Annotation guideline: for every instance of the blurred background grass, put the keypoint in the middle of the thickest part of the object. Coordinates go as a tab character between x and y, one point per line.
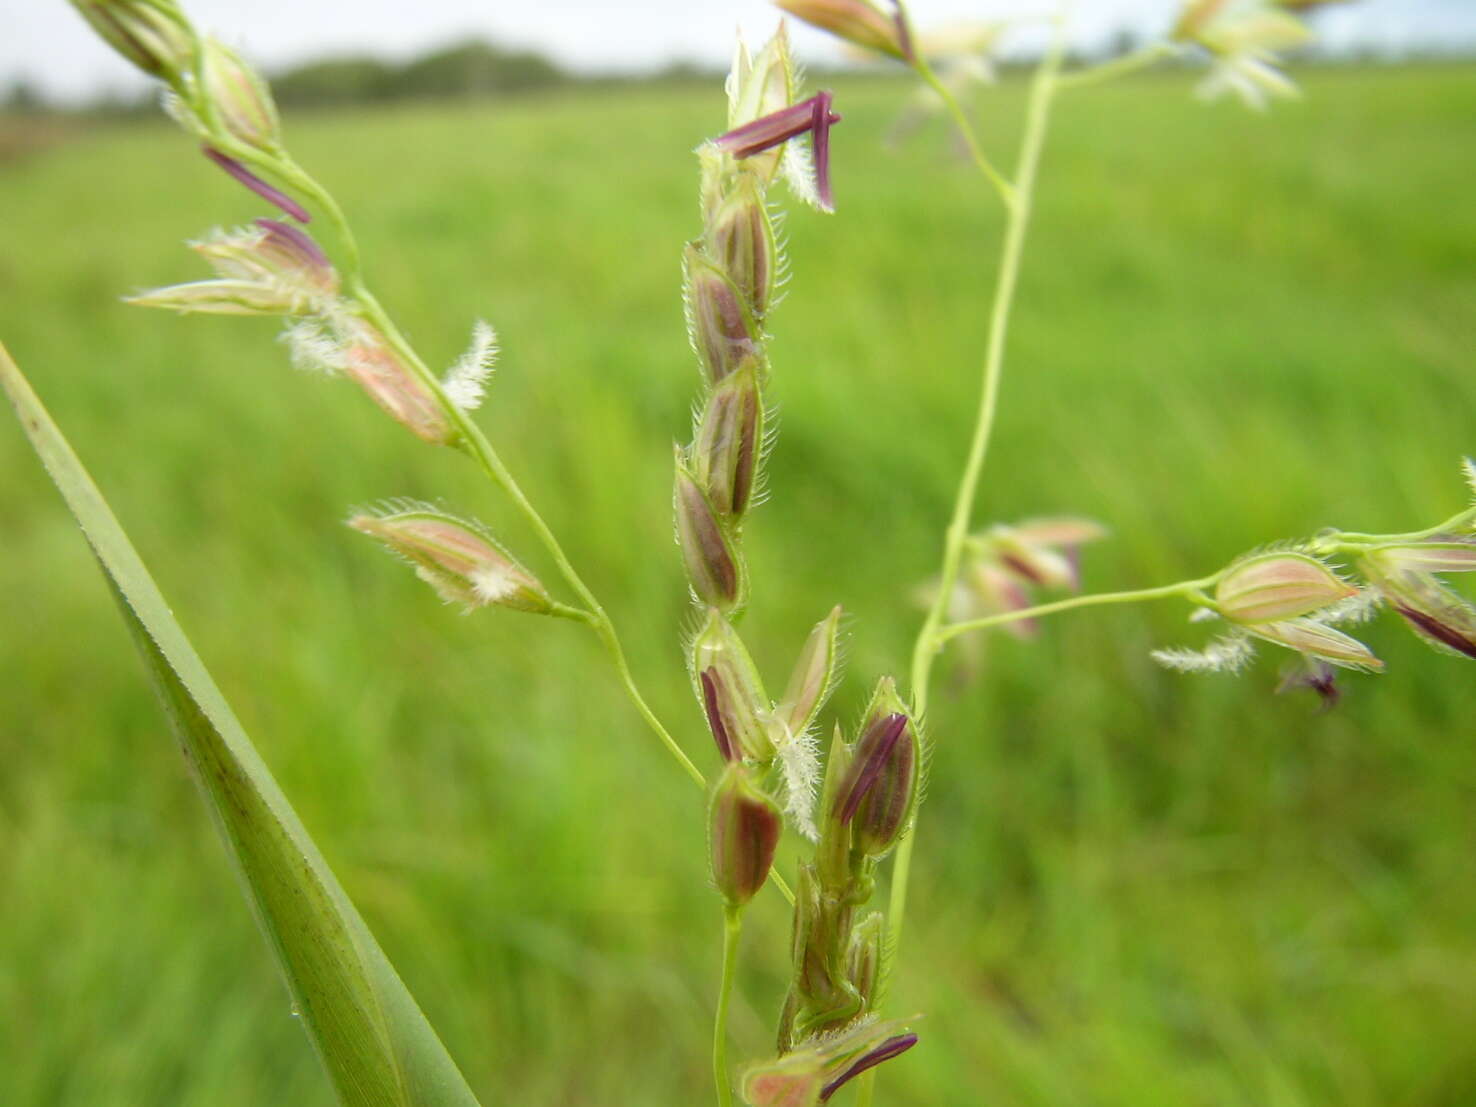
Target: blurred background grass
1131	888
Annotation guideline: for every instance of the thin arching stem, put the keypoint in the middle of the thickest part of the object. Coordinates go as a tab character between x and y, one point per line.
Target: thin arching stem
924	69
1184	589
1019	196
1138	60
732	929
475	443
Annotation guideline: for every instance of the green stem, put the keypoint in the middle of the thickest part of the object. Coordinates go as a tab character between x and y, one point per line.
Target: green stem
487	458
1187	589
1347	541
981	161
732	928
1018	221
1019	198
1119	67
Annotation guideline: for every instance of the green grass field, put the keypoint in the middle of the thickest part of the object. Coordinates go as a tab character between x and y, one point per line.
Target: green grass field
1132	889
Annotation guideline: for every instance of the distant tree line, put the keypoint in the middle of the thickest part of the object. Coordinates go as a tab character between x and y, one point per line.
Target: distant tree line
467	69
475	68
463	70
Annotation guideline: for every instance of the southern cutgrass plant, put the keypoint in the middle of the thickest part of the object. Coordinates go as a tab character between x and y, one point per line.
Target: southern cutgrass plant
858	803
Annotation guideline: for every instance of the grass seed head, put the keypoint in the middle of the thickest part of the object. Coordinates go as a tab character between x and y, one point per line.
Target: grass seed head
1272	586
153	34
740	239
879	791
459	559
723	331
243	103
729	441
731	692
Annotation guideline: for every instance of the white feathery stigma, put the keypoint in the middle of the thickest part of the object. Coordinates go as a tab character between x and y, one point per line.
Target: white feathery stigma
314	347
1358	608
799	761
1223	655
493	582
466	381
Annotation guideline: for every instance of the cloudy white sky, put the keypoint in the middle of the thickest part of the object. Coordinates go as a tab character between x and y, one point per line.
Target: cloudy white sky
45	43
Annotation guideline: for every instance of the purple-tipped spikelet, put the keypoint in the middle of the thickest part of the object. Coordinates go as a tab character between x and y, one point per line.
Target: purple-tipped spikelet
724	333
730	691
714	567
741	242
1404	575
153	34
873	755
744	828
457	558
878	793
729	442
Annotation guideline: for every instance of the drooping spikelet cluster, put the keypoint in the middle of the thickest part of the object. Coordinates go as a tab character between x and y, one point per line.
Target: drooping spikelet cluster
1295	598
273	267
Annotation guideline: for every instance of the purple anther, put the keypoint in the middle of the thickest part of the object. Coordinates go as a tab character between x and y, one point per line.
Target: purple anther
1441	632
904	33
290	240
890	1048
823	119
257	185
766	132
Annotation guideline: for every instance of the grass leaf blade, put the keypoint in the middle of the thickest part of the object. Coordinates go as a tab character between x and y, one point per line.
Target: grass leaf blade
375	1043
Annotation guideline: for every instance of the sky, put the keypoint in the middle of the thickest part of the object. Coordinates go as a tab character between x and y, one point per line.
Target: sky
45	43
